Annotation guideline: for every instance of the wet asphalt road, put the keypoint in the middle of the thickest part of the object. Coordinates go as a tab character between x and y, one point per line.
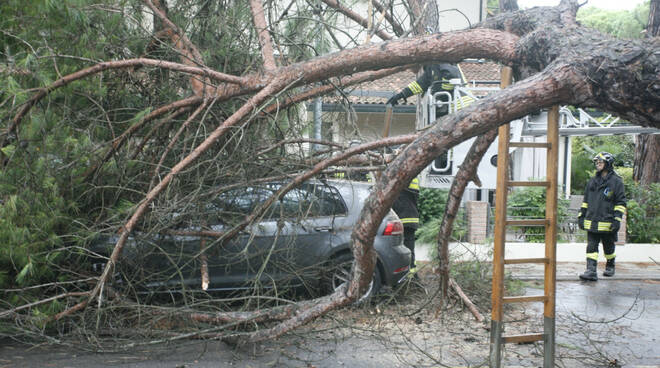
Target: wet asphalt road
631	309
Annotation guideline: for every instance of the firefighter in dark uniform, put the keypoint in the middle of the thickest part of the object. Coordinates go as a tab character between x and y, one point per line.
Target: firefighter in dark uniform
405	207
601	214
436	75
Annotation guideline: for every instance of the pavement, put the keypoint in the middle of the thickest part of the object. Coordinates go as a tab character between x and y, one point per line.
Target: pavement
633	261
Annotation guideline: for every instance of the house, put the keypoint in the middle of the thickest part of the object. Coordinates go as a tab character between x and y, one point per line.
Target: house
359	113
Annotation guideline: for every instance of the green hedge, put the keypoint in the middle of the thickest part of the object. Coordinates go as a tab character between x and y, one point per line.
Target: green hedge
432	204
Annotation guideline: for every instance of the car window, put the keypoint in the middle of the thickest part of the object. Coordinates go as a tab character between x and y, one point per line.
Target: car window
330	202
232	206
308	200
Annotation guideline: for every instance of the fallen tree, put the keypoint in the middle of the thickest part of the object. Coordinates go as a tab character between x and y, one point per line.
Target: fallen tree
554	59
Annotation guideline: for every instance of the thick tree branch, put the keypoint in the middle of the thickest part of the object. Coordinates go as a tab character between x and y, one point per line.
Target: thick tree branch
193	52
328	88
467	171
555	85
259	19
451	47
356	17
473	309
191	55
396	26
121	64
552	87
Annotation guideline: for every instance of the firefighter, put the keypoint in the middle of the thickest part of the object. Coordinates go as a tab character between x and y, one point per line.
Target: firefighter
601	214
405	207
436	75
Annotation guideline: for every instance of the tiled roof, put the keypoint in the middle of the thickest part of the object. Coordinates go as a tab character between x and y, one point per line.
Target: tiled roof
385	87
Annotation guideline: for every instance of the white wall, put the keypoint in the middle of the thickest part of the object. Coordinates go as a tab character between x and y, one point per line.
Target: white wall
470	13
453	15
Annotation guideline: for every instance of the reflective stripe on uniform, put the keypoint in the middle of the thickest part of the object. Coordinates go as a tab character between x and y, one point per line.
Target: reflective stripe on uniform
447	86
604	226
610	256
410	220
587	224
620	208
585	205
415	88
593	256
464	101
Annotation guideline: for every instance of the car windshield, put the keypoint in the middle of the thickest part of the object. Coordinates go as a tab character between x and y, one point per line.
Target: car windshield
308	200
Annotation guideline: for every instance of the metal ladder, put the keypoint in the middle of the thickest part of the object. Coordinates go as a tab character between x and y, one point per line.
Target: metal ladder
497	340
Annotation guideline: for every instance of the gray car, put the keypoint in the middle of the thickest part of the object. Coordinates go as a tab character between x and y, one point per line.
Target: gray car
302	240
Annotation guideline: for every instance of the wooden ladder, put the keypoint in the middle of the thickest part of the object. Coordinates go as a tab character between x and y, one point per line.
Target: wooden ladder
501	222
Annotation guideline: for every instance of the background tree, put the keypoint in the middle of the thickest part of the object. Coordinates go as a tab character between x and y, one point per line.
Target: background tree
618	23
640	22
585	148
647	149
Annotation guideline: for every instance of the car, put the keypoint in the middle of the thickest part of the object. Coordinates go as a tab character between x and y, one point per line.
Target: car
301	241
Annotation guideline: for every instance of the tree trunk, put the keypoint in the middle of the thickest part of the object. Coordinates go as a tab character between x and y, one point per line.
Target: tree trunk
467	172
647	146
647	156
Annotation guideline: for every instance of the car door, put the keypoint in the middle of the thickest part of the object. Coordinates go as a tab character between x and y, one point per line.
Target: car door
283	246
307	217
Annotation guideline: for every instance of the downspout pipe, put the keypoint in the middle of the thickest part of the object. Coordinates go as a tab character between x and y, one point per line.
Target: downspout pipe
317	121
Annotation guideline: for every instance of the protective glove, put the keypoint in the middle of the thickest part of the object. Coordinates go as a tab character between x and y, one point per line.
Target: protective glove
616	225
394	99
581	222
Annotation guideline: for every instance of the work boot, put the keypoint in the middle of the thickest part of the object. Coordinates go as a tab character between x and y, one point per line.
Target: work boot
609	268
590	274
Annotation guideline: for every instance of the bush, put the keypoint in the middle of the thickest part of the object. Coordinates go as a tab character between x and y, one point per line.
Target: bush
428	233
432	204
584	148
643	215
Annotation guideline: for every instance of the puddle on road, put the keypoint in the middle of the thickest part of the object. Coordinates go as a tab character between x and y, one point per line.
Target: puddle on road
619	319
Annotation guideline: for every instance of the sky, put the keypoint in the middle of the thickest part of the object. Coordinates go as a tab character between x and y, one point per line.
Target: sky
603	4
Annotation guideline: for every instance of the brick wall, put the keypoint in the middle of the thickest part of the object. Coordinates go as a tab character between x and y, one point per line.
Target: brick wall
477	221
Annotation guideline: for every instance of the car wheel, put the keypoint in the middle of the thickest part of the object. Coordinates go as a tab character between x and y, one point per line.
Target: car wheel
340	273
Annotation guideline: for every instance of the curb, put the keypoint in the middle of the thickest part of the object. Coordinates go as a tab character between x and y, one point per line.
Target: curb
569	278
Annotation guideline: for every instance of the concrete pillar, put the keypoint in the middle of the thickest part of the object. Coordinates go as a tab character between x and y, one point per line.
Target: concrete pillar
477	221
622	232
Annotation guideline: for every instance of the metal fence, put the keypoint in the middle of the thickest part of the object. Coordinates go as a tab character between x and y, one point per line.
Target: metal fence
567	231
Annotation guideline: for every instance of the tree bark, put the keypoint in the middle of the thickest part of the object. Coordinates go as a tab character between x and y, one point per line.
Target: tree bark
647	156
466	173
259	19
647	146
